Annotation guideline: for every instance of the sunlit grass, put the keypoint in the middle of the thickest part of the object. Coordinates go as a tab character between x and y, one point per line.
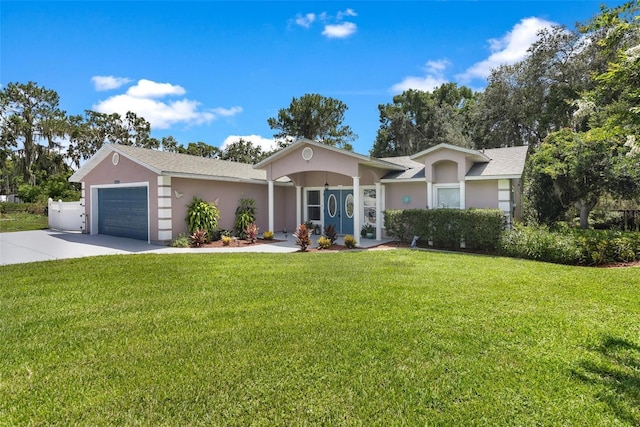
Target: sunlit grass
361	338
22	221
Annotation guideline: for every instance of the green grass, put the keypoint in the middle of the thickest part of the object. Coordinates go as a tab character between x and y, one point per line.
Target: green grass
22	221
360	338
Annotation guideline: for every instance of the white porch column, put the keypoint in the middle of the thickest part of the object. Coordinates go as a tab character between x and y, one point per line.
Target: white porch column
356	208
298	205
429	195
463	203
378	211
271	215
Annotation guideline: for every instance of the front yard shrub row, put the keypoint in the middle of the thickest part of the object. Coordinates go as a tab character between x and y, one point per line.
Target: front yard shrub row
479	229
569	246
30	208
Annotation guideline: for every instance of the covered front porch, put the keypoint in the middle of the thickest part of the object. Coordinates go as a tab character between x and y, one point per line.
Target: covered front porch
332	187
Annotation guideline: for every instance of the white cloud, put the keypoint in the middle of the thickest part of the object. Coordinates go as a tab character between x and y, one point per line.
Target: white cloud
227	112
265	144
108	82
142	99
348	12
334	27
434	77
339	31
150	89
509	49
306	20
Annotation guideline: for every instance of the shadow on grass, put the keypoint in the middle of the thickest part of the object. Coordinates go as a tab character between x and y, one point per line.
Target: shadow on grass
615	370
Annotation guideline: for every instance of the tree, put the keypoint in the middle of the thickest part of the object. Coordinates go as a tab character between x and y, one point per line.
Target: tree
417	120
169	143
526	101
243	151
89	133
200	149
315	117
31	118
581	168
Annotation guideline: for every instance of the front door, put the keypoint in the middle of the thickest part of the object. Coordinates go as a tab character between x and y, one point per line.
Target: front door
338	210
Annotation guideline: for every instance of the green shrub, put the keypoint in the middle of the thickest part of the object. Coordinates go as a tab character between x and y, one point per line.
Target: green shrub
324	242
349	241
446	228
30	208
571	246
202	216
603	246
538	243
245	215
182	241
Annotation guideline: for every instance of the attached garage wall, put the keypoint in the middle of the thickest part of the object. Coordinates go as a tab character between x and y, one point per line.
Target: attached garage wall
125	173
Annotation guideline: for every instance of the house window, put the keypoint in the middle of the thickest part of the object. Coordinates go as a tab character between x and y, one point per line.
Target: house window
447	196
313	205
369	202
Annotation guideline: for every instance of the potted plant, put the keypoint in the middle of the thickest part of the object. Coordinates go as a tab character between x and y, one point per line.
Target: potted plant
368	231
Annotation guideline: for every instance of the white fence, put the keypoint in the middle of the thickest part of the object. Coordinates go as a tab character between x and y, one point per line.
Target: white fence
66	216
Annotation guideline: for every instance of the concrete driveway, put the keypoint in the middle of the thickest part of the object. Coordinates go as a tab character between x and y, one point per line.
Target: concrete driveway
44	245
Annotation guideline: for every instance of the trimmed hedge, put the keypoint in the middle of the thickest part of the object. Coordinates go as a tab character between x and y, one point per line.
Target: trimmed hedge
572	246
479	229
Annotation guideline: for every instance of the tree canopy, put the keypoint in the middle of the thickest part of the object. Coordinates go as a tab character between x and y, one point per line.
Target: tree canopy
417	120
315	117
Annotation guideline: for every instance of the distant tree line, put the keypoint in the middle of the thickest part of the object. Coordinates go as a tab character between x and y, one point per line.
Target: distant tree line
574	99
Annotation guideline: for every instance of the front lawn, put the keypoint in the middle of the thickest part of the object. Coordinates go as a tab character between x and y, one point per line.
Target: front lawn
351	338
22	221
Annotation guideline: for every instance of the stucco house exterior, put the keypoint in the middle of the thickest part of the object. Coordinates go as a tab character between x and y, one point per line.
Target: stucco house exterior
143	194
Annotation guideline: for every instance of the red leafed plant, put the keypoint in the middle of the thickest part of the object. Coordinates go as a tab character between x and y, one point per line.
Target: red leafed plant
199	237
251	232
303	237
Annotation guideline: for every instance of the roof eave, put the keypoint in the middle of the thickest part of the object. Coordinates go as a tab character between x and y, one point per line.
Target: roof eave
491	177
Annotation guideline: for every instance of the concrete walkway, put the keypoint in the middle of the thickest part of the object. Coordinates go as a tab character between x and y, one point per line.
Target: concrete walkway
44	245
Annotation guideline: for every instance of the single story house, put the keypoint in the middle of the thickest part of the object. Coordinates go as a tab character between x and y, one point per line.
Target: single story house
143	194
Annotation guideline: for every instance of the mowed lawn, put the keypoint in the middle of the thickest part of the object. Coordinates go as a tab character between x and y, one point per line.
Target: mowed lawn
352	338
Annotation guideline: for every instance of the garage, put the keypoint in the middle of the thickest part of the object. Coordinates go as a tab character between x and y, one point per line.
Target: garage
123	212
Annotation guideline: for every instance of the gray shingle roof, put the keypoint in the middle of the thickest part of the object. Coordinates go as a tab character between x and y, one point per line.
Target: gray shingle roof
504	162
413	169
174	164
184	164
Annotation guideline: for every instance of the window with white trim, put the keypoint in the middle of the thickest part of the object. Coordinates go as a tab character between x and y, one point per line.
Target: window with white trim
369	203
313	205
447	196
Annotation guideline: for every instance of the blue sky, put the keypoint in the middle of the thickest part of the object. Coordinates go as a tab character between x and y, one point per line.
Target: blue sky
216	71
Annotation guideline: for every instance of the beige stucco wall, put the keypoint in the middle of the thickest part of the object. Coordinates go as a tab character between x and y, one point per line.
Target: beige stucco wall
322	160
228	195
432	159
445	172
126	171
395	194
481	194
